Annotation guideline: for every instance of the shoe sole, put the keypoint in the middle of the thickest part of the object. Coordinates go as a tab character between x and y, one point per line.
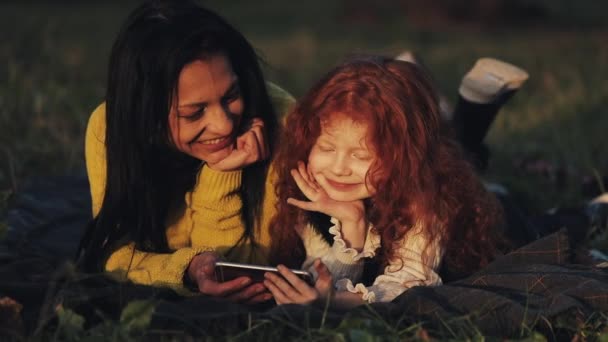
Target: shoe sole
489	78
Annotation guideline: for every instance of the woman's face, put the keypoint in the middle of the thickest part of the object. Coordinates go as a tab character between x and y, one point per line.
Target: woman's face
341	158
206	114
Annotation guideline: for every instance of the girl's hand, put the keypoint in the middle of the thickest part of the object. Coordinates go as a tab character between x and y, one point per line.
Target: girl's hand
290	289
350	214
250	147
202	272
320	201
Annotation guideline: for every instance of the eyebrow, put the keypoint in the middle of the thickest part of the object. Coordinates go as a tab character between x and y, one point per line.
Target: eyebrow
231	89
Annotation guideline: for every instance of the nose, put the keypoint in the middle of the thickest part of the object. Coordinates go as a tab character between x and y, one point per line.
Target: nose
341	166
219	120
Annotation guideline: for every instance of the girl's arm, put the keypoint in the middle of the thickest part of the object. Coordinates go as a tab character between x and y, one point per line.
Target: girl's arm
345	300
328	262
342	260
412	266
289	289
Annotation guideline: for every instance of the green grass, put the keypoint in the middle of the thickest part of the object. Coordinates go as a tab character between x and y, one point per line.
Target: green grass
134	324
54	59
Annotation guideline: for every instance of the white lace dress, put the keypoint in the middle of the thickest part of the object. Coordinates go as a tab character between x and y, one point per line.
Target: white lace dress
346	264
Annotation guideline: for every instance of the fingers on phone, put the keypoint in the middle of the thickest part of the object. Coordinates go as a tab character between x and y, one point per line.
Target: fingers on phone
260	298
293	279
279	296
224	289
248	294
286	288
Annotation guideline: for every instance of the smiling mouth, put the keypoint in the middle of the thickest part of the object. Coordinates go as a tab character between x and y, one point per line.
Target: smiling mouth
341	186
214	145
214	141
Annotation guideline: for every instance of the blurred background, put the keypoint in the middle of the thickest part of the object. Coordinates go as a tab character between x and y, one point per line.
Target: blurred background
548	143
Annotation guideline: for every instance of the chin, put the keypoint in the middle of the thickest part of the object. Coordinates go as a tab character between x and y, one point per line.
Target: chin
215	157
346	197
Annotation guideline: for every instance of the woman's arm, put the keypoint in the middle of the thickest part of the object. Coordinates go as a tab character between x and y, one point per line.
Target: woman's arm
216	211
212	219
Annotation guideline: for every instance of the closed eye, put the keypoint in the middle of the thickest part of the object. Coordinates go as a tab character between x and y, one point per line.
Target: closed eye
233	94
363	157
326	149
197	114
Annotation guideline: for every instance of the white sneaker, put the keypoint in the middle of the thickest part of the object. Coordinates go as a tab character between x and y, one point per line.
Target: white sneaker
407	56
489	78
603	198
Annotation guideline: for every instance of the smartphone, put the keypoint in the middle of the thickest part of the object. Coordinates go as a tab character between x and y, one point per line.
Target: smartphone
225	271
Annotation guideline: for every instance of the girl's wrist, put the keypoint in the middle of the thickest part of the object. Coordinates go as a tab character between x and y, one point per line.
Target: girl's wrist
357	223
354	233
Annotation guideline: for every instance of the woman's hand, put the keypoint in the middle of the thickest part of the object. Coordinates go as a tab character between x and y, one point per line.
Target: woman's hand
350	214
202	272
290	288
250	147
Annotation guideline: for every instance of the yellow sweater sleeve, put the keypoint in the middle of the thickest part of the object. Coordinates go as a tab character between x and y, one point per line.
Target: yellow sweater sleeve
214	204
210	222
157	269
214	208
95	155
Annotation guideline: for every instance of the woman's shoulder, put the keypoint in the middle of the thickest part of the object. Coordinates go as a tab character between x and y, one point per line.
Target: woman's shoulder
281	99
97	120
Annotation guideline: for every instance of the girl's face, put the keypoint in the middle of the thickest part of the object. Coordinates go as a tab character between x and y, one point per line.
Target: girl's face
207	112
340	159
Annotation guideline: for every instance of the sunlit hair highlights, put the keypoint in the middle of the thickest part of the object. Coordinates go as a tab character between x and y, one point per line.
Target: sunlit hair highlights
420	174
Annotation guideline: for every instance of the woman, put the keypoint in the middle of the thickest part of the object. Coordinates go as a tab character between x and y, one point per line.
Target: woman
179	154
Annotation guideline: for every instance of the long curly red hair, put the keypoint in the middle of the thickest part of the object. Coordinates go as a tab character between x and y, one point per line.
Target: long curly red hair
421	175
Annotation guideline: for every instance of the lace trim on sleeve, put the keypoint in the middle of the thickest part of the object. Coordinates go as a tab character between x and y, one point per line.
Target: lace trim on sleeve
372	241
347	285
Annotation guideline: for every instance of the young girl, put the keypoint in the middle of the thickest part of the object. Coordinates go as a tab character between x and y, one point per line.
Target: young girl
393	184
178	155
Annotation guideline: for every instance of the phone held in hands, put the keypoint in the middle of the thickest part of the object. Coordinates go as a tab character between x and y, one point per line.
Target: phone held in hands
225	271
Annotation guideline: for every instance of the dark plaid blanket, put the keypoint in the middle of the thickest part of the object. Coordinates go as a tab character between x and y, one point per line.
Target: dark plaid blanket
534	287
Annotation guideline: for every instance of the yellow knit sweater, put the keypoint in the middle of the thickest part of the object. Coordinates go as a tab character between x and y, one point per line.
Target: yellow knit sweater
211	220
